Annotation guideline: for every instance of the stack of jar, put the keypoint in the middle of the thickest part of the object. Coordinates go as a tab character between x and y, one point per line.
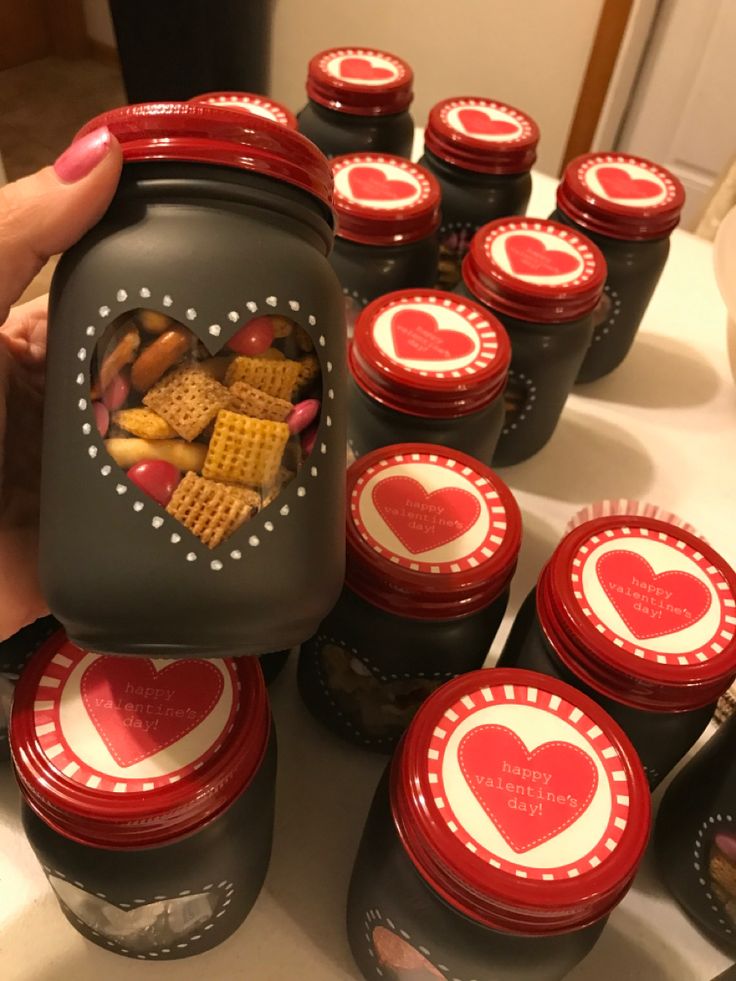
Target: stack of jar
196	410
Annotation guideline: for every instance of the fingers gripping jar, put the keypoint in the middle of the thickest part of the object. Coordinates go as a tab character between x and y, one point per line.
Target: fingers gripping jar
639	614
432	541
194	423
508	825
358	101
481	152
148	793
628	206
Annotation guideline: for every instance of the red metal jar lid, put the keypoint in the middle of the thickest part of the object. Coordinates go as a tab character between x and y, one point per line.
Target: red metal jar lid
360	81
126	752
621	195
431	532
251	102
429	353
384	200
482	135
520	802
201	133
642	611
541	271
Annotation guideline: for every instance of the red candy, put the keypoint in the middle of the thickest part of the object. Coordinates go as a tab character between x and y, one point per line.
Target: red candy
157	478
308	438
302	415
102	418
117	392
253	338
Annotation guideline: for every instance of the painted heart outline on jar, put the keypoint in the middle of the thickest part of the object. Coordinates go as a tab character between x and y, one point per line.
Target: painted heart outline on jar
428	513
164	464
128	725
528	782
655	597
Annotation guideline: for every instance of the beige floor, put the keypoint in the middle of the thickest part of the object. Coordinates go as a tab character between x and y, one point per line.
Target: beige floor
42	105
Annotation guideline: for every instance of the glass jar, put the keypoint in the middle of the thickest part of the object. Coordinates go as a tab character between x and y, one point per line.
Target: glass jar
638	614
426	366
257	105
695	837
481	152
388	213
543	282
14	653
432	542
185	440
148	793
359	101
628	206
508	825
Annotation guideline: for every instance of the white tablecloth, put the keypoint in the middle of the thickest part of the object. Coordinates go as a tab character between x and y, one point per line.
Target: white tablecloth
661	428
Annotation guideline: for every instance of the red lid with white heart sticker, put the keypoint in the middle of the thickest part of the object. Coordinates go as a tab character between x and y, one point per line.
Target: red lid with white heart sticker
360	81
520	801
621	195
429	353
384	200
431	532
534	270
198	132
642	611
257	105
132	751
482	135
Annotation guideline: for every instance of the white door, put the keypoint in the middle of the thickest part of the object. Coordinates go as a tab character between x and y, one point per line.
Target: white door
683	113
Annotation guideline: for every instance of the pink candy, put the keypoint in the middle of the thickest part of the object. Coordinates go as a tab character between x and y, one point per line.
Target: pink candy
302	415
116	392
102	418
727	844
157	478
253	338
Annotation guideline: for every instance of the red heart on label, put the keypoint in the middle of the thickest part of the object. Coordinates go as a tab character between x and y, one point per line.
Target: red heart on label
138	711
529	256
361	68
618	183
418	337
475	121
423	521
530	797
651	604
372	184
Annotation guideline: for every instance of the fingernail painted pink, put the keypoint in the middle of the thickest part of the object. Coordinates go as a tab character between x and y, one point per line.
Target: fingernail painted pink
82	156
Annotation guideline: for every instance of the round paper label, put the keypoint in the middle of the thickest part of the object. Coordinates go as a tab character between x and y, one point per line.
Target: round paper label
654	596
491	122
541	254
380	183
253	105
528	782
359	66
436	337
627	182
428	513
131	724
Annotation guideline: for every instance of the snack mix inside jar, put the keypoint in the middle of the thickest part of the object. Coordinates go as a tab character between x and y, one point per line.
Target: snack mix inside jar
481	152
427	366
543	281
628	206
359	100
148	793
194	422
432	542
388	213
508	825
638	614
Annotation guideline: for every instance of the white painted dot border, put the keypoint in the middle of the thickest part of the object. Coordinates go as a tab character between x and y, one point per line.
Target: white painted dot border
226	891
374	917
700	861
511	422
212	558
